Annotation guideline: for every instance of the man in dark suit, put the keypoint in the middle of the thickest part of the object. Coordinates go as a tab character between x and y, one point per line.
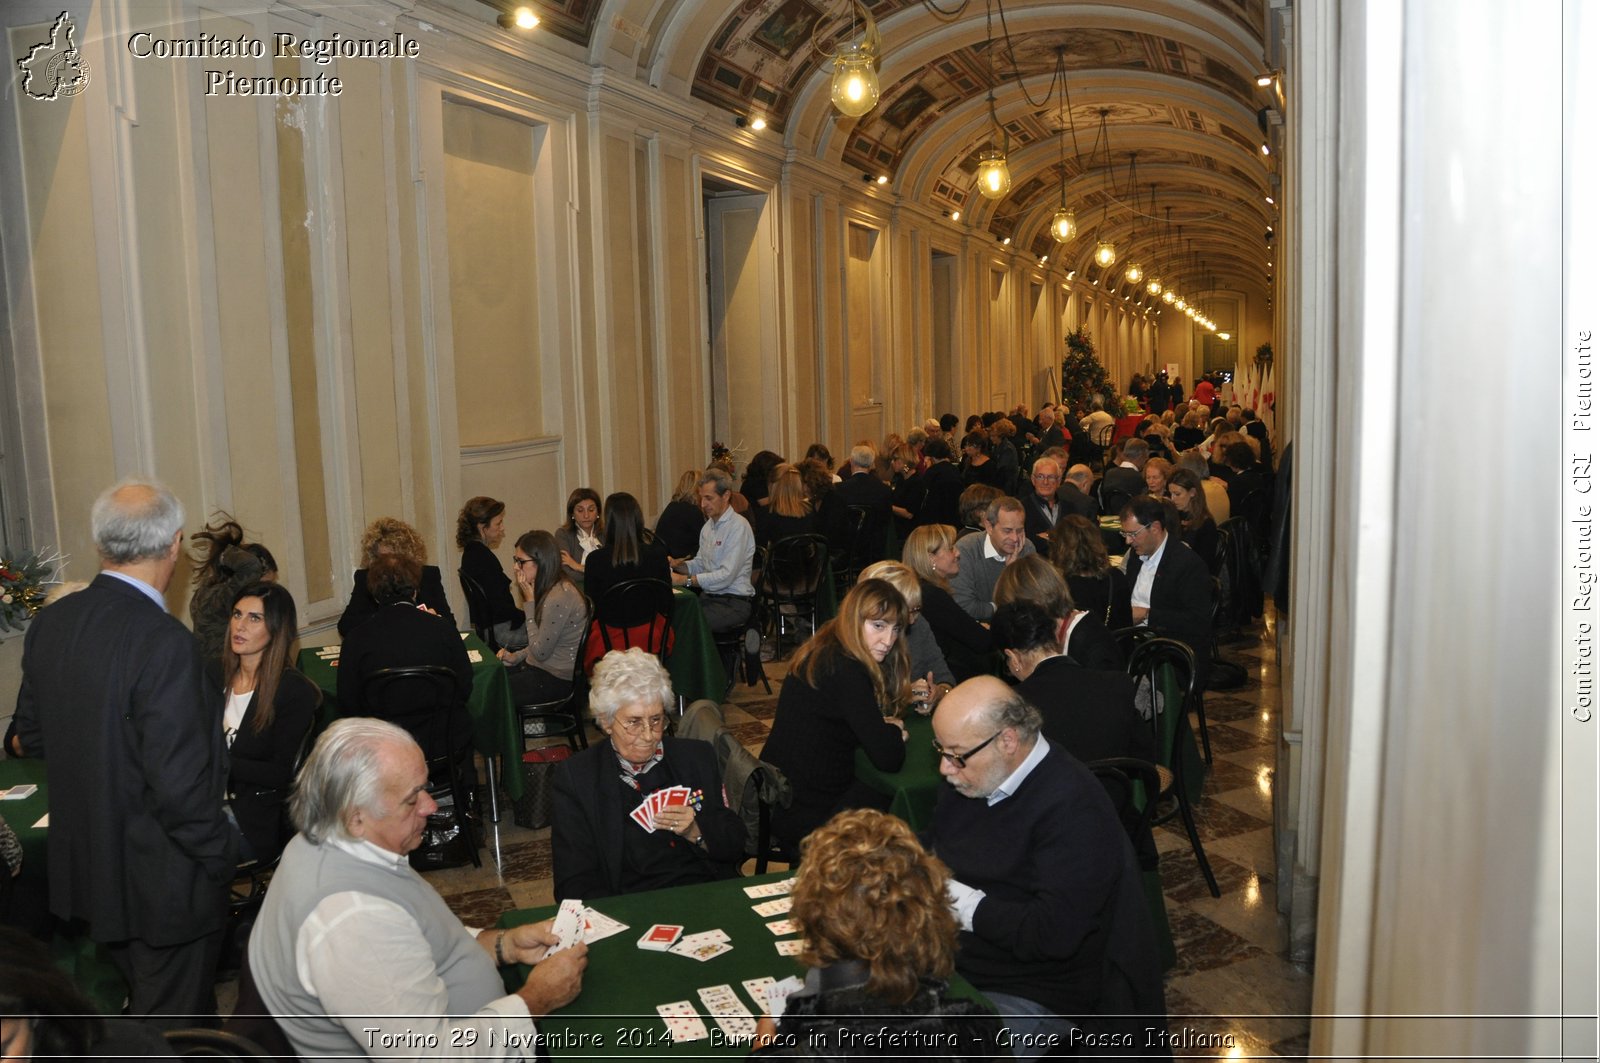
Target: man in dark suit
1075	494
941	499
113	697
1169	584
1041	506
862	490
1124	481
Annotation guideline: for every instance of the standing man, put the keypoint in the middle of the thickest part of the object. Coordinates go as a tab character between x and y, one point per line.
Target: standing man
113	697
984	556
721	570
1054	927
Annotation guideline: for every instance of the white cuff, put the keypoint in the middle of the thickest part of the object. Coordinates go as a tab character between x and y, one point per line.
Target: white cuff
964	901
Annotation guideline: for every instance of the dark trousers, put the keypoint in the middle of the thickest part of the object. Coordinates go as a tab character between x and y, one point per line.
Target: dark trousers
724	612
170	986
535	686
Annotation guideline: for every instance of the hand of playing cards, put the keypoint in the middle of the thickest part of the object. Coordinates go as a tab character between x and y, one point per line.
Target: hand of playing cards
659	801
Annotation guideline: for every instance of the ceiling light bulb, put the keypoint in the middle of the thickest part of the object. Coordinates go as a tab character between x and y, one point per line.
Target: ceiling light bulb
1105	253
955	215
1168	296
1180	304
1265	150
1224	336
758	124
522	18
1271	201
883	179
1006	241
1264	80
1134	273
994	177
855	83
1064	225
1153	286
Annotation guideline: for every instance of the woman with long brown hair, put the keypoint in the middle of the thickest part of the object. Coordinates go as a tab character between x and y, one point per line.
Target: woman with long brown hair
1078	551
556	621
843	694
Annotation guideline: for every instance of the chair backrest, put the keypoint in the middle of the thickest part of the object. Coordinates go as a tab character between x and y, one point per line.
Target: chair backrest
1132	785
1168	667
637	612
1240	572
794	568
478	612
419	697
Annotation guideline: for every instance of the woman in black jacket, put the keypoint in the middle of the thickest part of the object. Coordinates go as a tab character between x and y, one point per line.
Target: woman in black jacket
1185	491
1078	551
480	529
968	649
388	535
268	708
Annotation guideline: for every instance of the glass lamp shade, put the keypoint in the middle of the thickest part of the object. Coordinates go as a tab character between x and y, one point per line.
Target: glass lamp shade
1168	296
1105	253
1153	286
1181	304
994	177
855	83
1135	273
1064	225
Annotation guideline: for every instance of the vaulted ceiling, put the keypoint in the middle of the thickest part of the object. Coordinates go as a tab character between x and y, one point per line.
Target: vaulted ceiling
1179	182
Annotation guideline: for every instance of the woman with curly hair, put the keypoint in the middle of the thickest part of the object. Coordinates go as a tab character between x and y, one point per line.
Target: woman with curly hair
225	562
389	536
1078	551
583	533
880	944
480	529
843	693
758	477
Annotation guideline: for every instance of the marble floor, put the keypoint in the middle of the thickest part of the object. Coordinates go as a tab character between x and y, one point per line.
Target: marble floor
1232	993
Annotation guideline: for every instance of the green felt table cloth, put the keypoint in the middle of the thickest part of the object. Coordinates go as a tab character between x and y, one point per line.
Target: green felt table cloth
616	1012
496	731
914	789
695	667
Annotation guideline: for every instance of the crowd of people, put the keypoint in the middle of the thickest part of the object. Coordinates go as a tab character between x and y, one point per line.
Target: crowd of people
985	592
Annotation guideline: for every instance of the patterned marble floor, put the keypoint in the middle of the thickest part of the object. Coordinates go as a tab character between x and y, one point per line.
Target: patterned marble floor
1232	993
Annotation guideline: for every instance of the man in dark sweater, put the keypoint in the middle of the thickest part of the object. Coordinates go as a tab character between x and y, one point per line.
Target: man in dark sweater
1054	926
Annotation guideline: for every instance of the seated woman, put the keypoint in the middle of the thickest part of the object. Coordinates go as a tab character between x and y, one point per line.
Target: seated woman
267	711
843	690
786	513
480	529
225	563
931	553
977	467
557	621
624	557
1078	551
931	678
907	487
880	945
678	527
597	847
388	536
1186	491
1156	472
759	473
582	534
401	633
1081	636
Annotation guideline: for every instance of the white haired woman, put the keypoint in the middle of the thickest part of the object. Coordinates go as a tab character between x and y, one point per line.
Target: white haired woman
604	842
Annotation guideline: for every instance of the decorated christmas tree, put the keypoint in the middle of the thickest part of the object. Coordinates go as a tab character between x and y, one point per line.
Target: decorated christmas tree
1082	375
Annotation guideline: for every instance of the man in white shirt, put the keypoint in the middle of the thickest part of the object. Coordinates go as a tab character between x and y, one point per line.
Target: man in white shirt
985	555
1045	887
356	955
721	570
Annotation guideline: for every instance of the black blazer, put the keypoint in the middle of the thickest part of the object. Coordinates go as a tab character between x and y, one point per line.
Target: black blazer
1180	600
361	604
1088	712
590	815
1075	501
678	528
114	697
1091	646
865	490
1104	596
397	635
941	499
261	764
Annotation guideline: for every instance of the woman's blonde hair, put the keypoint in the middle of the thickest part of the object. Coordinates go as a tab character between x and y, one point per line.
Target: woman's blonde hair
867	890
920	547
393	536
688	487
899	576
869	599
787	495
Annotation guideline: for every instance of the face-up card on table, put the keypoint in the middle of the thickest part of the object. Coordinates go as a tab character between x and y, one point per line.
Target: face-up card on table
724	1005
683	1022
706	945
769	889
791	947
757	988
782	926
567	925
474	657
774	907
660	938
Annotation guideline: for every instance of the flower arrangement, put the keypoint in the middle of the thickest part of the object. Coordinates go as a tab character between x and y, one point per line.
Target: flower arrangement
25	580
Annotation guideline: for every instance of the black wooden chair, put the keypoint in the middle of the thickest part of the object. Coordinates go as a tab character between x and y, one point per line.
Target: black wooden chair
425	704
478	611
637	612
563	717
791	575
217	1044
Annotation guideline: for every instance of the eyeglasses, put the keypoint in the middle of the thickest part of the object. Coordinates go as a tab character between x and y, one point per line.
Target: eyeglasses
1045	477
637	725
1134	534
960	759
518	562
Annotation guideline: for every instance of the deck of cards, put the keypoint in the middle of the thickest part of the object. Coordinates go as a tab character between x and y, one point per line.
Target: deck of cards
656	803
661	937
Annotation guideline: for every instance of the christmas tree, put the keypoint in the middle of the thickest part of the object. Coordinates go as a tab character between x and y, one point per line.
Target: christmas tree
1082	375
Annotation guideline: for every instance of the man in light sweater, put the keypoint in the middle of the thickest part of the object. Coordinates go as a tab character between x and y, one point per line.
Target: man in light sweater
1054	927
984	555
356	955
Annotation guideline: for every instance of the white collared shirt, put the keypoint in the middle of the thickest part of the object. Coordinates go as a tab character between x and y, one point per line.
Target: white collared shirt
1147	576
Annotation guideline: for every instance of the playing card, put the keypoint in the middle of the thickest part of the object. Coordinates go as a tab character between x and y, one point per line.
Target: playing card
714	934
659	938
702	946
683	1022
774	907
790	947
675	797
778	994
769	889
757	988
643	817
782	926
597	925
568	925
724	1005
474	657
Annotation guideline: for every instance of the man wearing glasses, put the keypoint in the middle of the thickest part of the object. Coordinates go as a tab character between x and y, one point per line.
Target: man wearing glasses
1041	506
1169	585
1045	886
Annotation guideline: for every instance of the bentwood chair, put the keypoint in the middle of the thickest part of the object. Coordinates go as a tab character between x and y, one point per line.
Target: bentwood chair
563	717
637	612
790	578
478	611
425	701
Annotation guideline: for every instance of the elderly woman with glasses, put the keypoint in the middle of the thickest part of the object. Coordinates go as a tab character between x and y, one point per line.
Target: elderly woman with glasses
611	833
